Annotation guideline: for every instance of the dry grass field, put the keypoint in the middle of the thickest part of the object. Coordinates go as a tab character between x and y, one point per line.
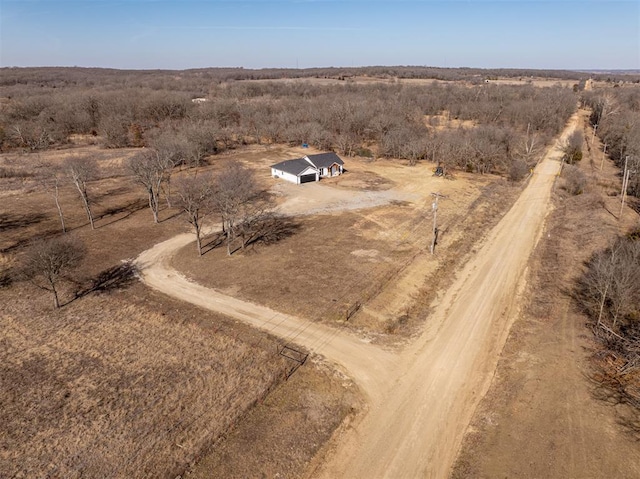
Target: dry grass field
122	381
287	431
113	386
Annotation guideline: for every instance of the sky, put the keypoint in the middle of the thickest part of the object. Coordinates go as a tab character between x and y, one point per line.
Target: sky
181	34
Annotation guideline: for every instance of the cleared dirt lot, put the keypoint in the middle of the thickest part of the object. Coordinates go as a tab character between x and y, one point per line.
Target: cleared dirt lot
354	238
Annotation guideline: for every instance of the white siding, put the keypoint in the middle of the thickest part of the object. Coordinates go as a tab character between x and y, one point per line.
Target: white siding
293	178
284	175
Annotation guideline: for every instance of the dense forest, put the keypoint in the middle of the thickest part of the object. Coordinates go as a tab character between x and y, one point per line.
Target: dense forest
474	126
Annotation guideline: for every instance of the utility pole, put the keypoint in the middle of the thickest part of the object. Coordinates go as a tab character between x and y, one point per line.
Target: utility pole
625	180
604	152
434	208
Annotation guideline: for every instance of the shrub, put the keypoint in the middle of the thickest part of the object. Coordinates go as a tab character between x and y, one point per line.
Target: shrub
574	179
518	170
573	148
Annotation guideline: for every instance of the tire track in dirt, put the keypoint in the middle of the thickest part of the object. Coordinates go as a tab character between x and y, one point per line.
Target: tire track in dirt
421	399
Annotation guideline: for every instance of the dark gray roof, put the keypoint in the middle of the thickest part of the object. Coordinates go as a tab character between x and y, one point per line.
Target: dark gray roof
295	167
325	160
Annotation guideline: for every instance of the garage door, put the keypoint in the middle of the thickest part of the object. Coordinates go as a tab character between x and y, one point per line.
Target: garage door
308	178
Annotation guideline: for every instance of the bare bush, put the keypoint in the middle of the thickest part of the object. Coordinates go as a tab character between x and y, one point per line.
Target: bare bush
574	179
610	292
610	289
518	170
572	148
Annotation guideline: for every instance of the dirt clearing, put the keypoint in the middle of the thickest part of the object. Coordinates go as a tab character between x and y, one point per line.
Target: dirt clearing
355	237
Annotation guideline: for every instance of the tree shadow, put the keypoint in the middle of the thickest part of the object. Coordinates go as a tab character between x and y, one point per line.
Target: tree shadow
119	190
265	231
607	390
23	242
10	221
128	209
111	279
171	216
216	240
273	229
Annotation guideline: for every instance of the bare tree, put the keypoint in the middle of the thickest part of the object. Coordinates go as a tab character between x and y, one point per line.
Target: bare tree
47	261
624	296
31	135
256	216
200	140
611	285
194	197
530	146
82	169
51	185
151	169
170	150
235	190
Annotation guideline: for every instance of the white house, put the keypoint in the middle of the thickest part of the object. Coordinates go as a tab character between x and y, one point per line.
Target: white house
308	168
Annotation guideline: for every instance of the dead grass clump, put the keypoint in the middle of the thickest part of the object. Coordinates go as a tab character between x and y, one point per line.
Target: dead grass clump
105	388
14	173
7	264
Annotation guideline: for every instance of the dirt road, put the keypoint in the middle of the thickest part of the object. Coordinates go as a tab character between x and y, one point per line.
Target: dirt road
422	398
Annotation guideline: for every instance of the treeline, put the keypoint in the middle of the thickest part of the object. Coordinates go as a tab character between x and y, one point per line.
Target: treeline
609	291
481	128
616	112
199	78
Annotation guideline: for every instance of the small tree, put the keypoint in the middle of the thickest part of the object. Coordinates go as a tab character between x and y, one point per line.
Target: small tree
47	261
81	170
235	189
169	151
151	169
51	183
194	197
